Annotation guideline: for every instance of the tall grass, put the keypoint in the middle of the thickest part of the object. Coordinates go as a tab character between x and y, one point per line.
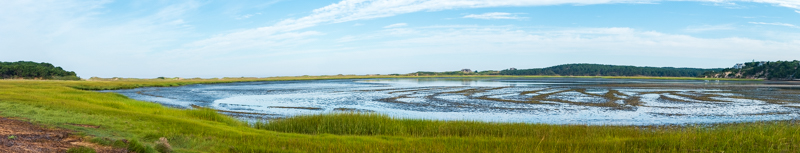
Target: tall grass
59	104
340	123
775	136
212	115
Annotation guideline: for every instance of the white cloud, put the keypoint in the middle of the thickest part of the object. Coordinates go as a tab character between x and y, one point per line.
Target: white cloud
785	3
797	11
396	25
351	10
246	16
52	30
69	34
776	23
494	15
490	47
262	40
704	28
612	41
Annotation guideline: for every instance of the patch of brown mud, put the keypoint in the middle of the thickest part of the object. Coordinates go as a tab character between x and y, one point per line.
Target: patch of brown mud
533	91
670	99
781	85
700	96
470	92
422	89
23	137
611	97
394	99
690	95
633	101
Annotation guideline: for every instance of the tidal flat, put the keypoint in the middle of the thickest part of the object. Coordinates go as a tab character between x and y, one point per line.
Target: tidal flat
584	101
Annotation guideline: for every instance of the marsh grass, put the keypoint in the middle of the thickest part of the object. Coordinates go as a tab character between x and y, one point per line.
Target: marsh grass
62	104
81	149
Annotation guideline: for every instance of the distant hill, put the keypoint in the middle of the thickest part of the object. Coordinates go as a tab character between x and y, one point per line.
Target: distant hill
587	70
610	70
777	70
33	70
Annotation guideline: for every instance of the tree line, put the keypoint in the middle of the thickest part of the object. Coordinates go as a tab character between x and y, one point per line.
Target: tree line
609	70
33	70
770	70
589	70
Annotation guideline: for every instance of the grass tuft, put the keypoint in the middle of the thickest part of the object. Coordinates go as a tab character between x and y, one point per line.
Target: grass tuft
135	146
212	115
81	149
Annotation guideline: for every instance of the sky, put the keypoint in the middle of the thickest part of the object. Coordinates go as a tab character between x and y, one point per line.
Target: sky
263	38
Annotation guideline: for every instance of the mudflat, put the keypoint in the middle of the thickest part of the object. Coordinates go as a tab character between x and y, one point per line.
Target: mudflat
593	101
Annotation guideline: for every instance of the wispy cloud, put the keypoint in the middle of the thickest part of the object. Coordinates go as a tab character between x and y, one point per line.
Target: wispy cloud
797	11
246	16
69	33
785	3
396	25
351	10
704	28
776	23
494	15
45	30
558	45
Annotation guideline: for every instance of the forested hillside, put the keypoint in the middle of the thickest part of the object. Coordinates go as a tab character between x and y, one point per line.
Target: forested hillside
33	70
777	70
609	70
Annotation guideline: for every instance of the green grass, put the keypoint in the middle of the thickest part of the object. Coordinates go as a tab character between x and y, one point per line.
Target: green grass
81	149
62	104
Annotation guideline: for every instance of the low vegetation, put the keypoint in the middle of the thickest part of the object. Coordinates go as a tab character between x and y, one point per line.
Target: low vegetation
118	119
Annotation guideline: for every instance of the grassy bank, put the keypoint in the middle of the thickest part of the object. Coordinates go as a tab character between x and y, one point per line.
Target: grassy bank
136	83
63	104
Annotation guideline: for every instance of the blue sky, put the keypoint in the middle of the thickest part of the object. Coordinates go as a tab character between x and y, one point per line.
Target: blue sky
149	39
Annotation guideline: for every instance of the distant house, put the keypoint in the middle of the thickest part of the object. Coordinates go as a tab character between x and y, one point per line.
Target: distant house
738	66
512	69
466	71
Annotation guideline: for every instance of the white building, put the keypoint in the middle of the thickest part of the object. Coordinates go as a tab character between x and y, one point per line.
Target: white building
738	66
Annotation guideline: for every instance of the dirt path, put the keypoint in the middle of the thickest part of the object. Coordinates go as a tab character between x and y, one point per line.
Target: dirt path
23	137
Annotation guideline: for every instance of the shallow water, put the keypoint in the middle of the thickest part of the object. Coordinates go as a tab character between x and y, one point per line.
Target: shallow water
546	100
